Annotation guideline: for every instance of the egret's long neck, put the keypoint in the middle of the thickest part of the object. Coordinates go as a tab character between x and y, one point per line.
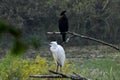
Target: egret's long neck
54	46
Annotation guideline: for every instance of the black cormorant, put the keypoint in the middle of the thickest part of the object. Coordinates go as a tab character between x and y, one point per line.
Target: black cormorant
63	25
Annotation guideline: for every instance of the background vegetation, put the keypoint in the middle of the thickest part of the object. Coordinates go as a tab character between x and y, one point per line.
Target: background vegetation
95	18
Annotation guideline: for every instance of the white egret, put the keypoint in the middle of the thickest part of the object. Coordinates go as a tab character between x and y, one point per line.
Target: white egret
58	54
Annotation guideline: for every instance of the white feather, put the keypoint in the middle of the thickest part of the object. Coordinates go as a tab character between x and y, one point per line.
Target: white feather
58	53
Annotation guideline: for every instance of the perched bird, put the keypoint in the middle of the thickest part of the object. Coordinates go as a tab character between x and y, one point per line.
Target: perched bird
58	54
63	25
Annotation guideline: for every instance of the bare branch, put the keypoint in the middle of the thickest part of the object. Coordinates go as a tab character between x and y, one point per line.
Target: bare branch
93	39
46	76
53	32
86	37
63	75
76	74
59	75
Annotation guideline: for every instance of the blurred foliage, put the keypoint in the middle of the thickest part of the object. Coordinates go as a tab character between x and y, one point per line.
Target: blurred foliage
18	45
16	68
95	18
6	27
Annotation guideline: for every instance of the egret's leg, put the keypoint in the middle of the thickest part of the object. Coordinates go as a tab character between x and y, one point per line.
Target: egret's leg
61	69
57	68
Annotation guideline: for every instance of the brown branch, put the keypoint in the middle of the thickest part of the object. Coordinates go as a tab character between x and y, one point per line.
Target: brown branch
53	32
63	75
76	74
76	77
46	76
86	37
93	39
58	75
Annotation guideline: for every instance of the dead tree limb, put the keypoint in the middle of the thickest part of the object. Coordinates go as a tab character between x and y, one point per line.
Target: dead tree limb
46	76
63	75
86	37
93	39
53	32
59	75
76	74
72	77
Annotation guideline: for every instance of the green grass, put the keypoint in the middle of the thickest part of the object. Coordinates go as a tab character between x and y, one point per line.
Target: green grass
98	69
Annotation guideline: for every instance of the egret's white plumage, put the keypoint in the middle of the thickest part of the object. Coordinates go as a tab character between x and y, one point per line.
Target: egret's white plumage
58	54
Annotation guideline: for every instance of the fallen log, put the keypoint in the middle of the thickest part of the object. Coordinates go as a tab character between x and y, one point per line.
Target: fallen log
60	75
46	76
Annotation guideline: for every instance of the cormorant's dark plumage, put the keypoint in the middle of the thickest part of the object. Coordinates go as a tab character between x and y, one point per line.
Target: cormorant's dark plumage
63	25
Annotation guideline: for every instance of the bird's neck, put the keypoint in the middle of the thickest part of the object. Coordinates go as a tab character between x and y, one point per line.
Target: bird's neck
55	46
